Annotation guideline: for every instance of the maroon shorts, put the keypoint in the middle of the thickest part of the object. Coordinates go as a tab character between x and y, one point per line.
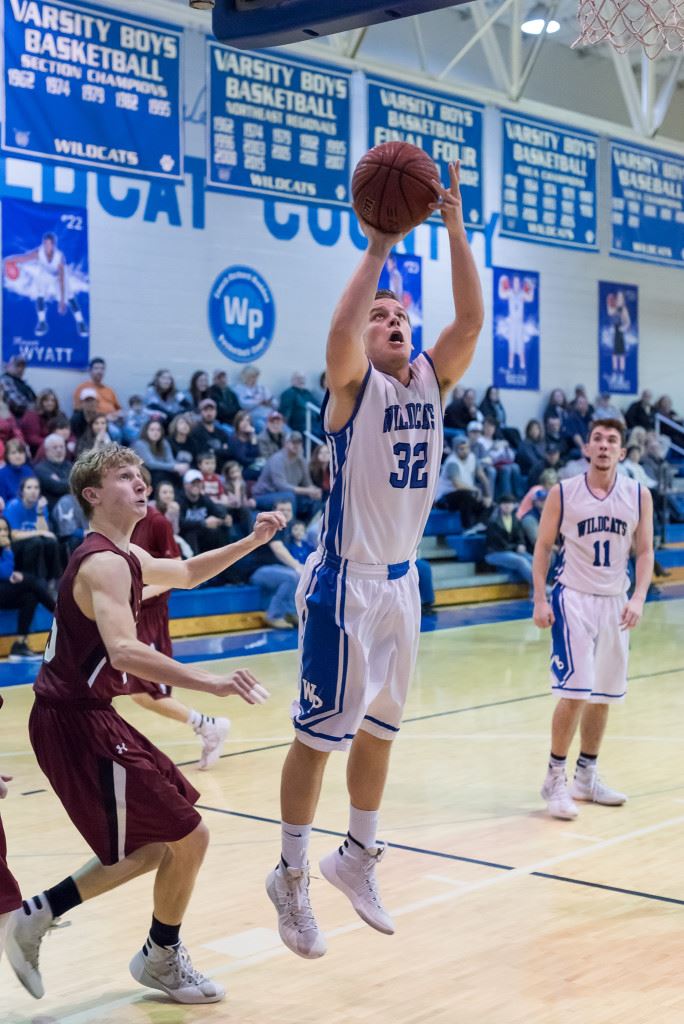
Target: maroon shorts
153	630
120	792
10	896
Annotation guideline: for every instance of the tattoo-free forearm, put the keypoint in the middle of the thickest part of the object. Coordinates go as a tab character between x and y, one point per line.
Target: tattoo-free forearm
644	573
465	283
210	563
540	569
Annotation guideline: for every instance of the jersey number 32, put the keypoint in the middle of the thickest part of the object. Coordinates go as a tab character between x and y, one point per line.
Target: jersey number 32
411	471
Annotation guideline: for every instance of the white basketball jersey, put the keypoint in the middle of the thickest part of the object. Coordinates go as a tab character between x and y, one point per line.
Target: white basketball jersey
385	466
597	535
50	266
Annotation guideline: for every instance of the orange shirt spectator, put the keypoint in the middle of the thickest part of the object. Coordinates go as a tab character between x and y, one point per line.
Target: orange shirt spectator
107	401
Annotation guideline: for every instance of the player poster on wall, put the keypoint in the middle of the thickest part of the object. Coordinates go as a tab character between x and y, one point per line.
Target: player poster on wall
516	329
402	274
618	338
45	285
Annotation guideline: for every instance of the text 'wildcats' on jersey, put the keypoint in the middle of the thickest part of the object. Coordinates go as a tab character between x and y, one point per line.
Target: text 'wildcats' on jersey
597	535
385	466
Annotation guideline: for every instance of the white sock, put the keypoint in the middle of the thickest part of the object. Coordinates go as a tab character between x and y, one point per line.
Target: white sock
295	844
363	826
194	718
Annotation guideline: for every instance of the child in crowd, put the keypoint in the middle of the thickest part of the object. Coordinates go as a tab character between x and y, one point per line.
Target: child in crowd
213	484
135	418
14	471
297	544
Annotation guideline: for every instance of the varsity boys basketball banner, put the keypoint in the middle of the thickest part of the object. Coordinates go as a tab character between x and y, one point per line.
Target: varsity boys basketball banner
516	329
277	127
84	85
445	127
548	183
45	285
618	338
647	205
402	274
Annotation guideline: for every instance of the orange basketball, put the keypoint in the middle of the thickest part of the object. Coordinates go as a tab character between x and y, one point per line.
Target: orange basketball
11	270
392	187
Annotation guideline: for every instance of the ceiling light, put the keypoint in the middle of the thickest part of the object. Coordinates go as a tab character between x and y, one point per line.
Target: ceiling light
535	23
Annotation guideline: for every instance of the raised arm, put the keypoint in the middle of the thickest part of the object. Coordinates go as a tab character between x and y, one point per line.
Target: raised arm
169	573
455	347
549	524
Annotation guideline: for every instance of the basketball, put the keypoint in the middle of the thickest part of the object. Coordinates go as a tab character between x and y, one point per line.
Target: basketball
11	270
392	187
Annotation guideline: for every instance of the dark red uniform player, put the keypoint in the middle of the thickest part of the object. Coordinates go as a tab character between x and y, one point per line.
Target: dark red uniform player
10	896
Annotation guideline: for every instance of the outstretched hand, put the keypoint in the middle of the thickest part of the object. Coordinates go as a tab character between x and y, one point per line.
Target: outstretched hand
450	204
267	524
242	684
380	241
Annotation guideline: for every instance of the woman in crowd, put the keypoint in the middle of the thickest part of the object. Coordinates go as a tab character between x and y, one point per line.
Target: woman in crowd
35	423
462	409
36	548
163	397
557	405
238	502
95	435
21	591
15	469
157	454
531	450
243	446
180	429
199	389
319	468
165	502
255	398
491	407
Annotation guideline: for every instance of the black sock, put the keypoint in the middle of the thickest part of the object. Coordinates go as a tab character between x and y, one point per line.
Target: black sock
555	761
62	897
164	934
586	760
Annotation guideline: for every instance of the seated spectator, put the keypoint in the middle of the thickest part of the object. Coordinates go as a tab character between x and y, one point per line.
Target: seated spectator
23	592
69	523
463	486
14	471
19	395
96	435
107	401
575	429
664	408
632	467
135	419
462	410
655	463
286	476
552	460
243	447
276	571
581	392
35	423
237	499
293	405
509	479
9	428
198	391
606	410
574	467
203	524
53	471
163	397
557	406
529	512
255	398
182	447
82	418
319	469
531	449
156	453
166	503
641	412
213	484
208	435
481	439
637	436
506	548
553	434
297	544
272	437
321	389
59	425
491	407
36	548
227	404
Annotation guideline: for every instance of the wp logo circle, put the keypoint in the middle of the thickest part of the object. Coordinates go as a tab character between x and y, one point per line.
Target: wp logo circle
241	314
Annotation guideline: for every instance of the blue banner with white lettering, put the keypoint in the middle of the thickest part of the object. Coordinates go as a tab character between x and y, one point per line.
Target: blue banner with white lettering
45	284
84	85
516	329
445	127
278	127
647	205
548	183
402	274
618	317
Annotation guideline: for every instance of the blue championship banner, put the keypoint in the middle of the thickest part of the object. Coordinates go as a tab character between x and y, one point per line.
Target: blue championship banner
277	127
402	274
445	127
647	205
45	285
548	183
618	318
86	86
516	329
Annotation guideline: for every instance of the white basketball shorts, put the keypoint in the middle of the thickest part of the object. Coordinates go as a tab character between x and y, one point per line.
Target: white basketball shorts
358	640
589	651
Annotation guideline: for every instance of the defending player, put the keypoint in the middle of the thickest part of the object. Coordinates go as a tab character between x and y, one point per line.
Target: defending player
598	516
127	799
358	598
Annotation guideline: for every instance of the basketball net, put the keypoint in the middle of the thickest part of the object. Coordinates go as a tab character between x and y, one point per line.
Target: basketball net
656	25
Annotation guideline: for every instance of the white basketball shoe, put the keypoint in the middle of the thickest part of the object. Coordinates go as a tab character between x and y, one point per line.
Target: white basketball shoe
588	785
351	869
25	933
558	800
288	890
170	970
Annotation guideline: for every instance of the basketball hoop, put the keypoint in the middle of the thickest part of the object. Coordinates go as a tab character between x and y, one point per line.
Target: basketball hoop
656	25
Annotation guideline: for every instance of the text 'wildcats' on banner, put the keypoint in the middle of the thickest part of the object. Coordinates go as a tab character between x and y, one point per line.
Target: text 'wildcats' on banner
278	127
548	183
85	86
445	127
647	205
45	284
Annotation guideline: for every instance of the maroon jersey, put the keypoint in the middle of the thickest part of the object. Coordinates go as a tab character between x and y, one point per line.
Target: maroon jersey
155	535
75	664
10	897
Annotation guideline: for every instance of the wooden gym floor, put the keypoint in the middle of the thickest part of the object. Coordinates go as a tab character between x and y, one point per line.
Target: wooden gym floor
503	915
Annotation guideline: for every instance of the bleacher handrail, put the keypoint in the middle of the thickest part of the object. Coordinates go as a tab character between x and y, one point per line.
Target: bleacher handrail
660	418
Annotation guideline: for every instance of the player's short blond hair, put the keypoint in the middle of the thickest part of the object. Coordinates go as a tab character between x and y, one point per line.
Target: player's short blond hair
90	467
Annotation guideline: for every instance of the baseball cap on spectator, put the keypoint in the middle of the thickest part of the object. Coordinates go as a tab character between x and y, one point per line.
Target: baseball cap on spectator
88	393
474	425
206	402
191	476
508	499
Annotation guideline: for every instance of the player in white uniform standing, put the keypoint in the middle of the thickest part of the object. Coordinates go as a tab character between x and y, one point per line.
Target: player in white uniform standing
599	515
50	282
358	596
